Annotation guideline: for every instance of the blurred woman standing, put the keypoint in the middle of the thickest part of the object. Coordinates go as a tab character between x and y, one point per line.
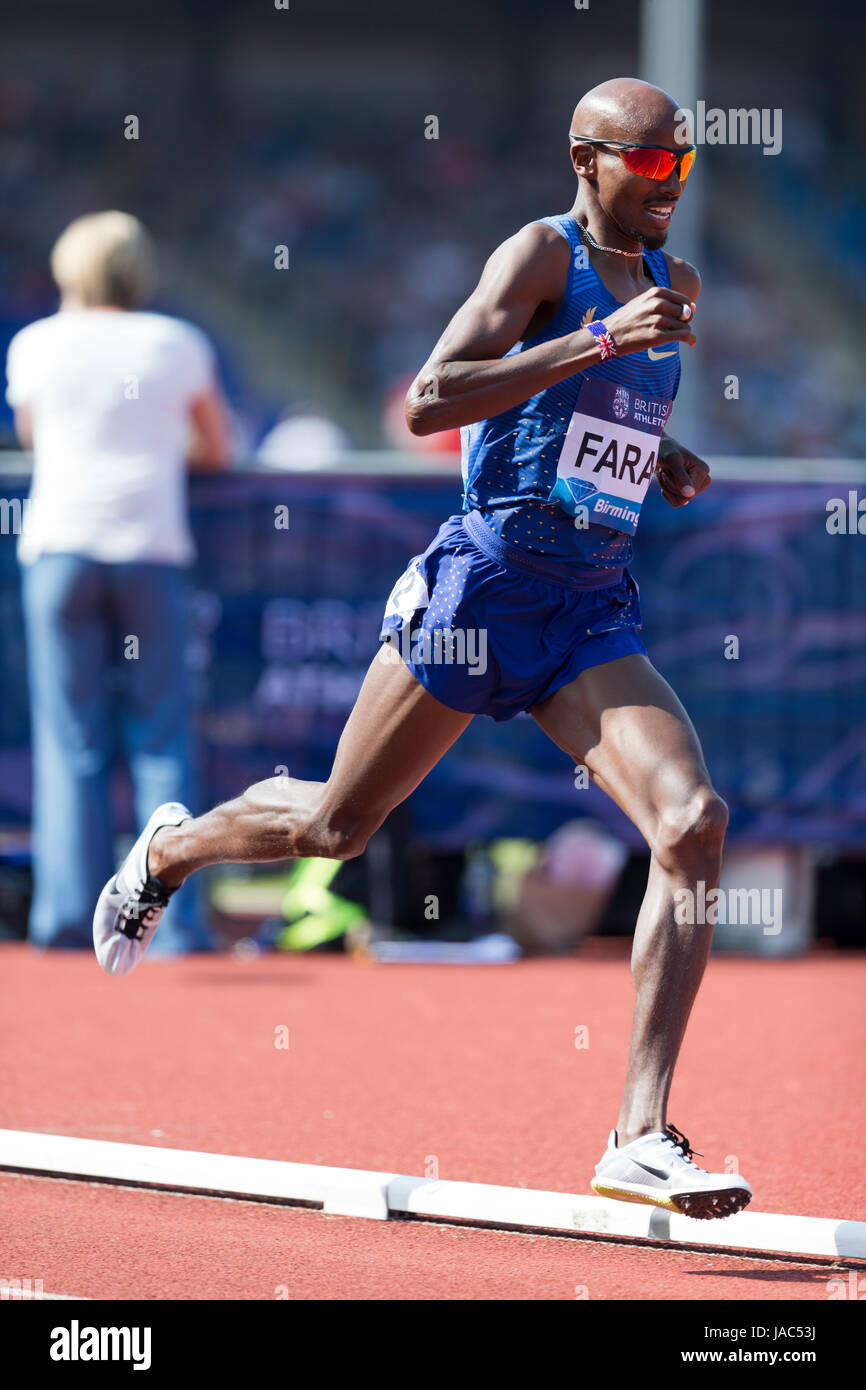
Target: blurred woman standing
116	403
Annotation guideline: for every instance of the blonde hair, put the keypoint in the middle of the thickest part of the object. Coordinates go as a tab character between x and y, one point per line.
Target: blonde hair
105	258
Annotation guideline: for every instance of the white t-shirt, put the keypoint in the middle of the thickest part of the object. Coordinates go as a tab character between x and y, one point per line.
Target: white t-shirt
109	395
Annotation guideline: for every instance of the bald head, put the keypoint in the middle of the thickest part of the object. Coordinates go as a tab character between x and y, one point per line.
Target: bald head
625	109
611	199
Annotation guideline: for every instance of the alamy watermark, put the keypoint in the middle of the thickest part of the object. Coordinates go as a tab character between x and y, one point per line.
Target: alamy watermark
736	126
20	1288
753	907
77	1343
13	513
439	646
846	517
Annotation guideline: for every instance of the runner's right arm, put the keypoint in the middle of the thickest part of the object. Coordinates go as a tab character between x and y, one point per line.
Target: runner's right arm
468	378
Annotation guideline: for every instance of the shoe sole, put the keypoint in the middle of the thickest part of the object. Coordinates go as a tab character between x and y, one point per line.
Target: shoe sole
700	1206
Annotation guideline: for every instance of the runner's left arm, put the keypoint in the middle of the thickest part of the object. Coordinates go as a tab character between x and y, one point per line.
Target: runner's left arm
471	374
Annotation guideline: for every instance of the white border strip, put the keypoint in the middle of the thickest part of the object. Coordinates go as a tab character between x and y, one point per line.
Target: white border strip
346	1191
359	1192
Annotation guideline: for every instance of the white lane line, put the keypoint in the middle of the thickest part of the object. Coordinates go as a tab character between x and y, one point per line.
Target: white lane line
359	1192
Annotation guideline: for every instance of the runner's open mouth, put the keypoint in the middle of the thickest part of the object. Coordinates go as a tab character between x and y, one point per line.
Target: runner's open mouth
660	213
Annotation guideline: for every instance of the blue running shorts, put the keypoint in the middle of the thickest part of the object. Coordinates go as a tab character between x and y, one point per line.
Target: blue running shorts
490	629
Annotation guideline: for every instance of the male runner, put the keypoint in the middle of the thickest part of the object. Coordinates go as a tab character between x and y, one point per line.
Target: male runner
561	367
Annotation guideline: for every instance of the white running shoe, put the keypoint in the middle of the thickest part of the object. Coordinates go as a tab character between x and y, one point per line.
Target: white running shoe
657	1169
131	904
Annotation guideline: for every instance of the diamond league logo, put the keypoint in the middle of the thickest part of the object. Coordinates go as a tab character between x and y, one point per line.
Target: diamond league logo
621	402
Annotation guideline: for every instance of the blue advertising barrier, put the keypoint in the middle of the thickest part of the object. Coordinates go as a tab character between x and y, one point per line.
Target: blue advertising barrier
753	610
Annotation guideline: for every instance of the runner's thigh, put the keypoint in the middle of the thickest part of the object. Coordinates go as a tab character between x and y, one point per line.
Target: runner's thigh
395	734
623	722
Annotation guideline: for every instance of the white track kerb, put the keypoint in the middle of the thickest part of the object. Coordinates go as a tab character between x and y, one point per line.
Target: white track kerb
359	1192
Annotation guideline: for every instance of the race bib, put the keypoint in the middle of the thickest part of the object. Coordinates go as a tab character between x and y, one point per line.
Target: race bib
609	454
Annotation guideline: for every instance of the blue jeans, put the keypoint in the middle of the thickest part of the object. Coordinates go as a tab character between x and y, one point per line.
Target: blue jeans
91	698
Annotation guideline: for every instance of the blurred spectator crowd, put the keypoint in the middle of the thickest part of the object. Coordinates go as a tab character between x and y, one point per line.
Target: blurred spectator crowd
386	233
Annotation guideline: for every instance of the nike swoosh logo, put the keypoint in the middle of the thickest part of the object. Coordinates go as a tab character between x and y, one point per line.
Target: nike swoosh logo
655	356
656	1172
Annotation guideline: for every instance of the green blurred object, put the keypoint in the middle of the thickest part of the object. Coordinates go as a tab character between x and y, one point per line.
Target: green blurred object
512	860
312	912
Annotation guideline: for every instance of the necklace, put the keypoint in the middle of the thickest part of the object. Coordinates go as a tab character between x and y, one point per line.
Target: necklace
614	250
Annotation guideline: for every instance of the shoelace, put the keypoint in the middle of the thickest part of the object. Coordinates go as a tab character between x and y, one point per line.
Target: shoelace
681	1143
137	915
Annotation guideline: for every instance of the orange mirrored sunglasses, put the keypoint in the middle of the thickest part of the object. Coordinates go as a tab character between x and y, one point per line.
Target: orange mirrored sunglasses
649	161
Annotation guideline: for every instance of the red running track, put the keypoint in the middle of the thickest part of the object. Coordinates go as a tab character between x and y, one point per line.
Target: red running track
401	1068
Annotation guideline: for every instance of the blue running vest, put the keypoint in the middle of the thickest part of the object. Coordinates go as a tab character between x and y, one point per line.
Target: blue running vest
564	473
